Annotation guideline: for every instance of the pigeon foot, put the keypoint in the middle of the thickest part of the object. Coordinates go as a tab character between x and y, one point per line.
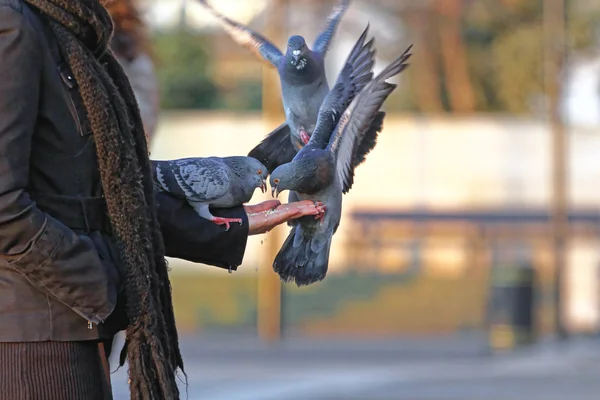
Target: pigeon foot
321	208
226	221
304	136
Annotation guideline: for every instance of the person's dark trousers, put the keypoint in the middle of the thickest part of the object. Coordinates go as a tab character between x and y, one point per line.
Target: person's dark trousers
53	371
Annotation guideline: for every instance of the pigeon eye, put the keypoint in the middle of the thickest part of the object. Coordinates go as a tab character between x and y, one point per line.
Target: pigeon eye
259	172
276	181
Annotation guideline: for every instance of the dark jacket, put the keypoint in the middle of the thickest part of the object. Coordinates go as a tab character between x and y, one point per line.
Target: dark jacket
60	274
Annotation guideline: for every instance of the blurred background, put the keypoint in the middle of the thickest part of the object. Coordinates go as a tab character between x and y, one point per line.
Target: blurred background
466	265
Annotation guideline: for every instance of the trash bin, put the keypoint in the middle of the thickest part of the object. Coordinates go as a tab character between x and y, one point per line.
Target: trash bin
511	306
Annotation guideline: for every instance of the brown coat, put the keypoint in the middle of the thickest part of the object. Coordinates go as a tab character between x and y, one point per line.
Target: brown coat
60	274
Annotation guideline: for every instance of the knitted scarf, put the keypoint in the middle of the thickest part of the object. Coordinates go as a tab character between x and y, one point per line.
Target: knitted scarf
83	29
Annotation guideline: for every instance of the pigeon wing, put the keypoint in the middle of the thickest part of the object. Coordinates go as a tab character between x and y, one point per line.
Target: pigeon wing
369	140
358	118
321	44
276	149
195	179
246	37
355	74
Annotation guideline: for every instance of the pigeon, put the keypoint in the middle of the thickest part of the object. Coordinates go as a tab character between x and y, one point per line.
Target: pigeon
211	182
324	170
355	73
303	83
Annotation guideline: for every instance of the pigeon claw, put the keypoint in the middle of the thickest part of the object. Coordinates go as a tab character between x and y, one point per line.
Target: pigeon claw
321	208
304	136
226	221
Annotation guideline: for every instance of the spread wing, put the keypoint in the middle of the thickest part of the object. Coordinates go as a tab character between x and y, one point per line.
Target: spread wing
195	179
356	121
276	149
355	74
322	41
246	37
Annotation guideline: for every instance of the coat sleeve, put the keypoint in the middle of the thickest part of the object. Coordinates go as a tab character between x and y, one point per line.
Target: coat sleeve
50	255
191	237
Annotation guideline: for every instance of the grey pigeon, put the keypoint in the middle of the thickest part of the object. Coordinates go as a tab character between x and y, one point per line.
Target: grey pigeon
211	182
324	169
303	84
355	74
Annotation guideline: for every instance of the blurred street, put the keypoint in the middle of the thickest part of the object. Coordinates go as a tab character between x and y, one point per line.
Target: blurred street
419	369
478	207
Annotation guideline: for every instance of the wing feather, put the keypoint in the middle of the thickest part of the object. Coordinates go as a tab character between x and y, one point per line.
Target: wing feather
321	44
275	149
358	118
195	179
246	37
356	72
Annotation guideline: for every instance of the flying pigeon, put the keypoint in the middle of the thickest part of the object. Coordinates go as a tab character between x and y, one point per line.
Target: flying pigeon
303	83
211	182
324	170
355	74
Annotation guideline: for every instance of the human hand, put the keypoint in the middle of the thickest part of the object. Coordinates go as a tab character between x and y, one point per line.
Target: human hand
265	216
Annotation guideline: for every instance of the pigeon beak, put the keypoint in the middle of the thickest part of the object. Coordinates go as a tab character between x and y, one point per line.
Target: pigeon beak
296	54
263	185
274	192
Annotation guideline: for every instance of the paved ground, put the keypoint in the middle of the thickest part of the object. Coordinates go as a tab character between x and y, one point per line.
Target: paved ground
442	369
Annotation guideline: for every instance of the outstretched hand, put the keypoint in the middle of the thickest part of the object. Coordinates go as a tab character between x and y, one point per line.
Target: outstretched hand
263	217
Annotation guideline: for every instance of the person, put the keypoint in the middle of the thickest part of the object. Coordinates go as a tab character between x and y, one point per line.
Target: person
131	46
83	235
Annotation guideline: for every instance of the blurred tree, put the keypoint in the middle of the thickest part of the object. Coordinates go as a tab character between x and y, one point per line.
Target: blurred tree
504	38
486	55
243	96
469	56
453	54
182	71
185	74
517	74
426	86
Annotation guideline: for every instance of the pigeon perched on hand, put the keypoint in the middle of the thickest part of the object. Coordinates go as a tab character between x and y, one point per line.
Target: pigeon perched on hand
211	182
303	83
324	169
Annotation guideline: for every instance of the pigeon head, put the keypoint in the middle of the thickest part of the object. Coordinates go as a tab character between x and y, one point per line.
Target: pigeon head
297	50
249	169
304	175
283	178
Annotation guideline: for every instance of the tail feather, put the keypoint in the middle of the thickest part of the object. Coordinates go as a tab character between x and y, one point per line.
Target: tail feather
304	256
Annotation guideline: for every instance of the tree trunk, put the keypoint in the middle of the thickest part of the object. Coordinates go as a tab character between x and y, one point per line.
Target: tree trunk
454	57
425	68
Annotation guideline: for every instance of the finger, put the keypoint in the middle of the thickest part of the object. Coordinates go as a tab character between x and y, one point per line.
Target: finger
313	208
265	221
304	207
304	204
288	212
264	206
